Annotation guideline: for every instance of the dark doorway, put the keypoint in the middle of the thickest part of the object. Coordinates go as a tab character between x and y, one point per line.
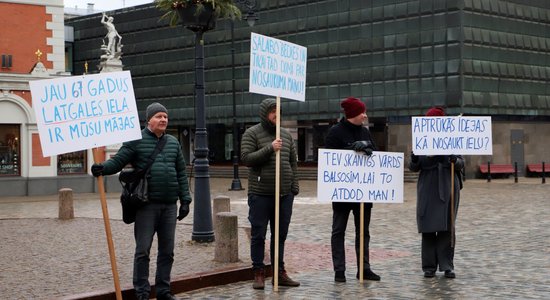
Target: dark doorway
517	149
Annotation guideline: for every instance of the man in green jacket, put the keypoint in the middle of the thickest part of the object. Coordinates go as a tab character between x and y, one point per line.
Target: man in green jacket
258	147
166	182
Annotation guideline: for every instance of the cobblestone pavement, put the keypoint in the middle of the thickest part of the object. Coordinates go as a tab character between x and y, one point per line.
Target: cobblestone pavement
502	248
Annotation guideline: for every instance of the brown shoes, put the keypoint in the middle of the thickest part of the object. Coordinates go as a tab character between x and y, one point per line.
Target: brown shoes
285	280
259	279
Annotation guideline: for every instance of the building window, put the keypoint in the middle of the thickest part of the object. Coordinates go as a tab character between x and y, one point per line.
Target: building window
71	163
10	152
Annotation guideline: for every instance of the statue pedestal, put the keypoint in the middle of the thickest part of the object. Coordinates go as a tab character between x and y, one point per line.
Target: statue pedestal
110	65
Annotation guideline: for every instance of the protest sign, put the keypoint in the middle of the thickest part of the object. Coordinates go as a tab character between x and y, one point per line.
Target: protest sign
277	68
349	176
452	135
83	112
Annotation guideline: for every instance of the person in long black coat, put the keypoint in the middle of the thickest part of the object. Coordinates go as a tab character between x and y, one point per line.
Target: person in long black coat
433	208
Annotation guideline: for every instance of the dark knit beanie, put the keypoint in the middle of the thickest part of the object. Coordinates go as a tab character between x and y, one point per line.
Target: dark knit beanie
153	109
435	111
353	107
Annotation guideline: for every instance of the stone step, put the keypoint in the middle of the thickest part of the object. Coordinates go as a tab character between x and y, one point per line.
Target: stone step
305	173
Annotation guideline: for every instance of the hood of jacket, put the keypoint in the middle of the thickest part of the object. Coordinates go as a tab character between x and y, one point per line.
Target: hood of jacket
265	107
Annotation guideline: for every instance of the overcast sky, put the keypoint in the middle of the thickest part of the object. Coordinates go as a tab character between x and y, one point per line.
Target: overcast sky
105	5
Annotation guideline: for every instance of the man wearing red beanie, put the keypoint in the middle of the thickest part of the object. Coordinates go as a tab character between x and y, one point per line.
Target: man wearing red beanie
350	133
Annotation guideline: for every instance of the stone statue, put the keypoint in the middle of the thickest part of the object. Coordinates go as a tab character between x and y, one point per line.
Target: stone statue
114	46
112	51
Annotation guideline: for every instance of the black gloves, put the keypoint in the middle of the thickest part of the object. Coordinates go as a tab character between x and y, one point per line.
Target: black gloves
184	211
414	158
97	170
362	146
452	158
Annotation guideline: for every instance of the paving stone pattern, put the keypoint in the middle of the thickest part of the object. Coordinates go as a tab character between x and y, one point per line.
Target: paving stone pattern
502	248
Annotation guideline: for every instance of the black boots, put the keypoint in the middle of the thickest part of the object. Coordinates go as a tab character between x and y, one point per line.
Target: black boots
369	275
340	276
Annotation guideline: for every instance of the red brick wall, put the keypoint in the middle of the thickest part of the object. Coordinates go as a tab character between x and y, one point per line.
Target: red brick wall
38	158
25	95
23	31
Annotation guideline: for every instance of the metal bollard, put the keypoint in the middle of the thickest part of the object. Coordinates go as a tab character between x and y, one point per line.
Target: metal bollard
66	210
488	171
516	172
543	175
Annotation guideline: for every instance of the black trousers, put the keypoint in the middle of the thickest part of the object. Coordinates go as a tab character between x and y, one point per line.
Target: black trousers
437	251
340	216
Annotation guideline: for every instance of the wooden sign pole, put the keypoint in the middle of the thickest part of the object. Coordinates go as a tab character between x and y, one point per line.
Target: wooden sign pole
277	198
361	242
101	187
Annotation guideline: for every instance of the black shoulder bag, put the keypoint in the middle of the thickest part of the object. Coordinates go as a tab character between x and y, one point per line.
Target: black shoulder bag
134	186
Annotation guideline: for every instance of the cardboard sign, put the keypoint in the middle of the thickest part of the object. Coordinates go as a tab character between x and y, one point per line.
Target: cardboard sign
277	68
349	176
83	112
452	135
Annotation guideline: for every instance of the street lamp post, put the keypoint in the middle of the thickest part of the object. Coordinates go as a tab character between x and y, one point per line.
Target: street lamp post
202	213
251	18
199	23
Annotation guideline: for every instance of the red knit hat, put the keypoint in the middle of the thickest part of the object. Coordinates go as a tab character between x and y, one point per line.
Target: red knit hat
436	111
353	107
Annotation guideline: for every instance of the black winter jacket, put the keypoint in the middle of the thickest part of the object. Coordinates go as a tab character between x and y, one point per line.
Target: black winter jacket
344	133
167	181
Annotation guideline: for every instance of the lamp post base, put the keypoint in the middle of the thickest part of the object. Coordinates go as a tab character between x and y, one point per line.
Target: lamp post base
236	185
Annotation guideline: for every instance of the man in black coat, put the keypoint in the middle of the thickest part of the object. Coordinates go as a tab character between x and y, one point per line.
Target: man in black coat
350	133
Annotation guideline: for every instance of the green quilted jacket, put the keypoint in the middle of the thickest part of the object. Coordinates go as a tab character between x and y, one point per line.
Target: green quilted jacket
257	153
167	181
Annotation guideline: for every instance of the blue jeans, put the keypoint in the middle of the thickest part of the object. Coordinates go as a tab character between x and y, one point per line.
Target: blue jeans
261	211
150	219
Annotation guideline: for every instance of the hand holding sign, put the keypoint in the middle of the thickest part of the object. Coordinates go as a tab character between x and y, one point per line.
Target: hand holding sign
362	146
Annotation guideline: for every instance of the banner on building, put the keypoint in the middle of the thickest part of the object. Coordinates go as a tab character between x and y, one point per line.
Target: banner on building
349	176
277	68
82	112
452	135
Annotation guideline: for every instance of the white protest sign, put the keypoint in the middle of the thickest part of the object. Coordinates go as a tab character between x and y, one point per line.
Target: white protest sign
277	68
82	112
349	176
452	135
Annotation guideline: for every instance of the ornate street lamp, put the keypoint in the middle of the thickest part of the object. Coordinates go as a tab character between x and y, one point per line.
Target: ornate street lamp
202	212
251	18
